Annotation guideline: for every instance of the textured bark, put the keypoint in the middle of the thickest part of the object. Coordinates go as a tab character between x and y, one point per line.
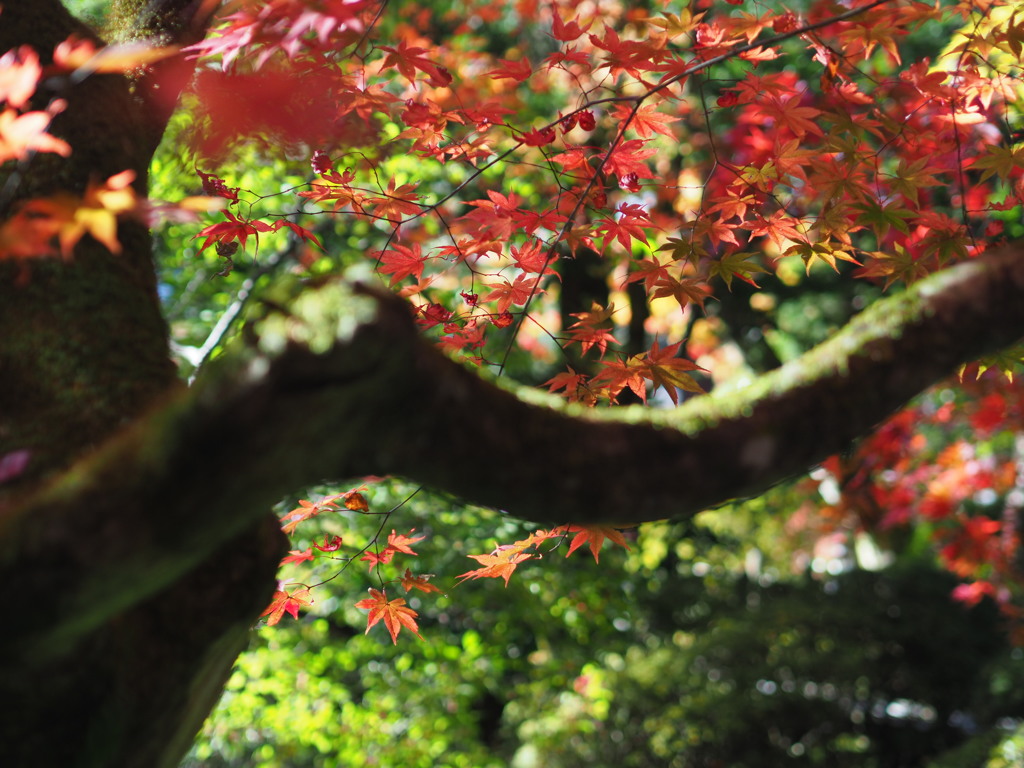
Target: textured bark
83	353
137	543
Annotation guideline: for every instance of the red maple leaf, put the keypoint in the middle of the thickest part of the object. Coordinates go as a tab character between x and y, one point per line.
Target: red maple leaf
517	293
630	56
486	115
286	602
571	56
232	229
531	221
628	157
788	112
495	217
301	232
519	71
649	270
331	543
539	137
409	59
629	224
394	613
565	31
401	262
531	258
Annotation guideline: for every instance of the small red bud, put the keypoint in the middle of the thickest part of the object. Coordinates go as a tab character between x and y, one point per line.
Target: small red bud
321	162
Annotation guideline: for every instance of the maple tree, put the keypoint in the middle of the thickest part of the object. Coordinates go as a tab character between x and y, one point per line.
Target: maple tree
684	165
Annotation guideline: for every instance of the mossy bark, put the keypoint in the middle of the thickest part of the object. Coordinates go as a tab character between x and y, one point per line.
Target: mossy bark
83	355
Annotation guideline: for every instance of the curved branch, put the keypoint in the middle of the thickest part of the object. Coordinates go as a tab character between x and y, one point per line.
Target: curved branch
332	381
637	464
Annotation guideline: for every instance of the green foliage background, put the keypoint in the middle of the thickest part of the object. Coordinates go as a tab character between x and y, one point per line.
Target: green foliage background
680	652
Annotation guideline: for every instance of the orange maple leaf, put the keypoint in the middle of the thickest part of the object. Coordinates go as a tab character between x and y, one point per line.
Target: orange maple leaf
19	73
394	613
594	535
501	563
286	602
587	334
69	217
297	556
400	543
76	53
668	371
616	375
575	386
20	134
684	290
647	121
506	294
304	511
355	501
411	582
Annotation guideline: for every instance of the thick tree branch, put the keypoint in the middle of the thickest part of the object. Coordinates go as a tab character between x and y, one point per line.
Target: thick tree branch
542	465
333	382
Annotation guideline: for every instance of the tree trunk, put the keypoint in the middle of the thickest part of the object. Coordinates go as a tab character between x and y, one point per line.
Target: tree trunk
83	352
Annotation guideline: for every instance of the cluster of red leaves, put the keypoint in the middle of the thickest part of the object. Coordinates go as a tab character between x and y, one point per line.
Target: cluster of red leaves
966	493
891	164
22	132
233	232
352	500
504	559
393	612
852	170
